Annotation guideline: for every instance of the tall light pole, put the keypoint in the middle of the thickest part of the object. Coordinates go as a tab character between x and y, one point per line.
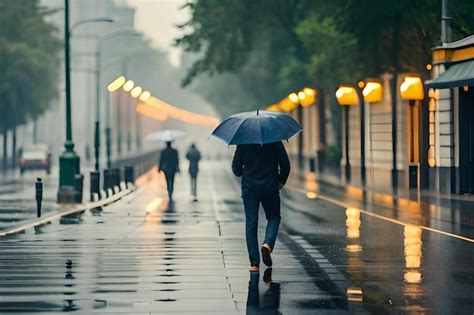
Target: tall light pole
69	161
112	87
99	44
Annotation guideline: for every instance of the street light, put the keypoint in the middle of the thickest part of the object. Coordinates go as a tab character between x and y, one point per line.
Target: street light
136	91
145	96
347	96
100	42
69	161
412	90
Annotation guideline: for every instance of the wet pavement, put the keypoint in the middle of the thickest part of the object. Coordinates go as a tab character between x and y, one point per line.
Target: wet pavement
17	196
142	255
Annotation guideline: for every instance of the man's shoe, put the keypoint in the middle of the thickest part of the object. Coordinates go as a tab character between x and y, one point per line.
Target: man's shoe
266	257
254	269
267	276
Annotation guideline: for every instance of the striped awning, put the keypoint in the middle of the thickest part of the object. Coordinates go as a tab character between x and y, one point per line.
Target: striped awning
457	75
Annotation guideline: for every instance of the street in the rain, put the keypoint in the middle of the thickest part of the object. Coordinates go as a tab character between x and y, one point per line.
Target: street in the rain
236	157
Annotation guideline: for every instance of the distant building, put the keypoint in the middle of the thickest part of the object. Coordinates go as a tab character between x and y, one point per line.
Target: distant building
451	106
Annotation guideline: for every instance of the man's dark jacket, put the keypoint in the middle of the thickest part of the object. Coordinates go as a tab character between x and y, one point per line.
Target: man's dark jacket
262	167
169	161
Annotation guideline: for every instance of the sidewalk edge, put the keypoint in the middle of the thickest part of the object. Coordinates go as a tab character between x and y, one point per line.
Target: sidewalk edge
80	208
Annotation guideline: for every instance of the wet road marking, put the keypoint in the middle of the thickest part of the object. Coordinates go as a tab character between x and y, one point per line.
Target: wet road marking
381	217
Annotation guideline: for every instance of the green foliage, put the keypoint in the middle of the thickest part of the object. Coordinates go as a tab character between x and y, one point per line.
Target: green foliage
328	45
274	47
28	62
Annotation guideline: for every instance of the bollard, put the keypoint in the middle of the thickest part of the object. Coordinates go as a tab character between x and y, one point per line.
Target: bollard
94	184
39	195
106	182
116	178
312	165
78	186
129	176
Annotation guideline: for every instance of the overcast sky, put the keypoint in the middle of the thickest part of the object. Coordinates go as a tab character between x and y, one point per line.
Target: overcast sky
158	20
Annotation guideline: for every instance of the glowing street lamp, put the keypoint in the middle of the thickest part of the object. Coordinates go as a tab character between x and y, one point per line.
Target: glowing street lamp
373	92
136	91
128	86
412	89
289	104
116	84
145	96
347	95
307	97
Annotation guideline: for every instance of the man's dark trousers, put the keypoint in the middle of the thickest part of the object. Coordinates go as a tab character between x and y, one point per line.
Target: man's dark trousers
170	183
270	201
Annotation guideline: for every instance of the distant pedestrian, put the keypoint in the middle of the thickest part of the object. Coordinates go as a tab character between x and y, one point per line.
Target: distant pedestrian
264	170
169	164
194	156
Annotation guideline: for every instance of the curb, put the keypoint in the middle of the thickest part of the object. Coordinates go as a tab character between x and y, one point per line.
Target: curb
80	208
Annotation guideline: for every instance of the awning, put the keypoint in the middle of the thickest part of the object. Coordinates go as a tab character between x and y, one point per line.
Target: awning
457	75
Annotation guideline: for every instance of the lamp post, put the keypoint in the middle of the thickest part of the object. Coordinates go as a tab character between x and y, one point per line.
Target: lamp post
112	87
372	92
347	96
135	93
127	87
69	161
99	44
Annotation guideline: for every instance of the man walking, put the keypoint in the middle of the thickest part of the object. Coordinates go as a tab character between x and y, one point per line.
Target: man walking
169	164
264	170
194	156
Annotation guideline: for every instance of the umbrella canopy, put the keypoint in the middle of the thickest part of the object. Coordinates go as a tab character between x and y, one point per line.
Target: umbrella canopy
166	135
258	127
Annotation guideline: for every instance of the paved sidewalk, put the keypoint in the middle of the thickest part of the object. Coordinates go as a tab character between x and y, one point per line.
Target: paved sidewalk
185	258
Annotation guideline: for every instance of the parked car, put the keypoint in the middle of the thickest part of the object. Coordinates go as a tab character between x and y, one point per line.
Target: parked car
35	157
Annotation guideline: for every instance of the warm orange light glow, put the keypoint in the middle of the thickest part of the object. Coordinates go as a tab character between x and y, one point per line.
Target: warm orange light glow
412	89
412	277
353	222
361	84
373	92
181	114
347	95
310	182
151	112
145	96
136	91
309	91
154	204
116	84
413	244
311	195
307	97
431	157
273	108
128	86
293	97
287	104
429	67
354	295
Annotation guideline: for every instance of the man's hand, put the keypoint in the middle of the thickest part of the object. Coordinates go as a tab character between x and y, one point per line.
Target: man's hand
280	186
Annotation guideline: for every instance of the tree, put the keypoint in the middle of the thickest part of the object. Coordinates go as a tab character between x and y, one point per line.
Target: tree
278	46
29	52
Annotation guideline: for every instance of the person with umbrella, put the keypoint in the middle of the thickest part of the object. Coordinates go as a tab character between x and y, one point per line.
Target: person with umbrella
262	162
169	164
194	156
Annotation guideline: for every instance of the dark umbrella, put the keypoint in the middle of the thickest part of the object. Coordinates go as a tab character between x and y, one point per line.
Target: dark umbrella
257	128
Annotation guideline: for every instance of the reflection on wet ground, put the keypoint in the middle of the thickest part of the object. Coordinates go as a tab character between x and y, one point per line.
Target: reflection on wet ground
144	255
17	197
